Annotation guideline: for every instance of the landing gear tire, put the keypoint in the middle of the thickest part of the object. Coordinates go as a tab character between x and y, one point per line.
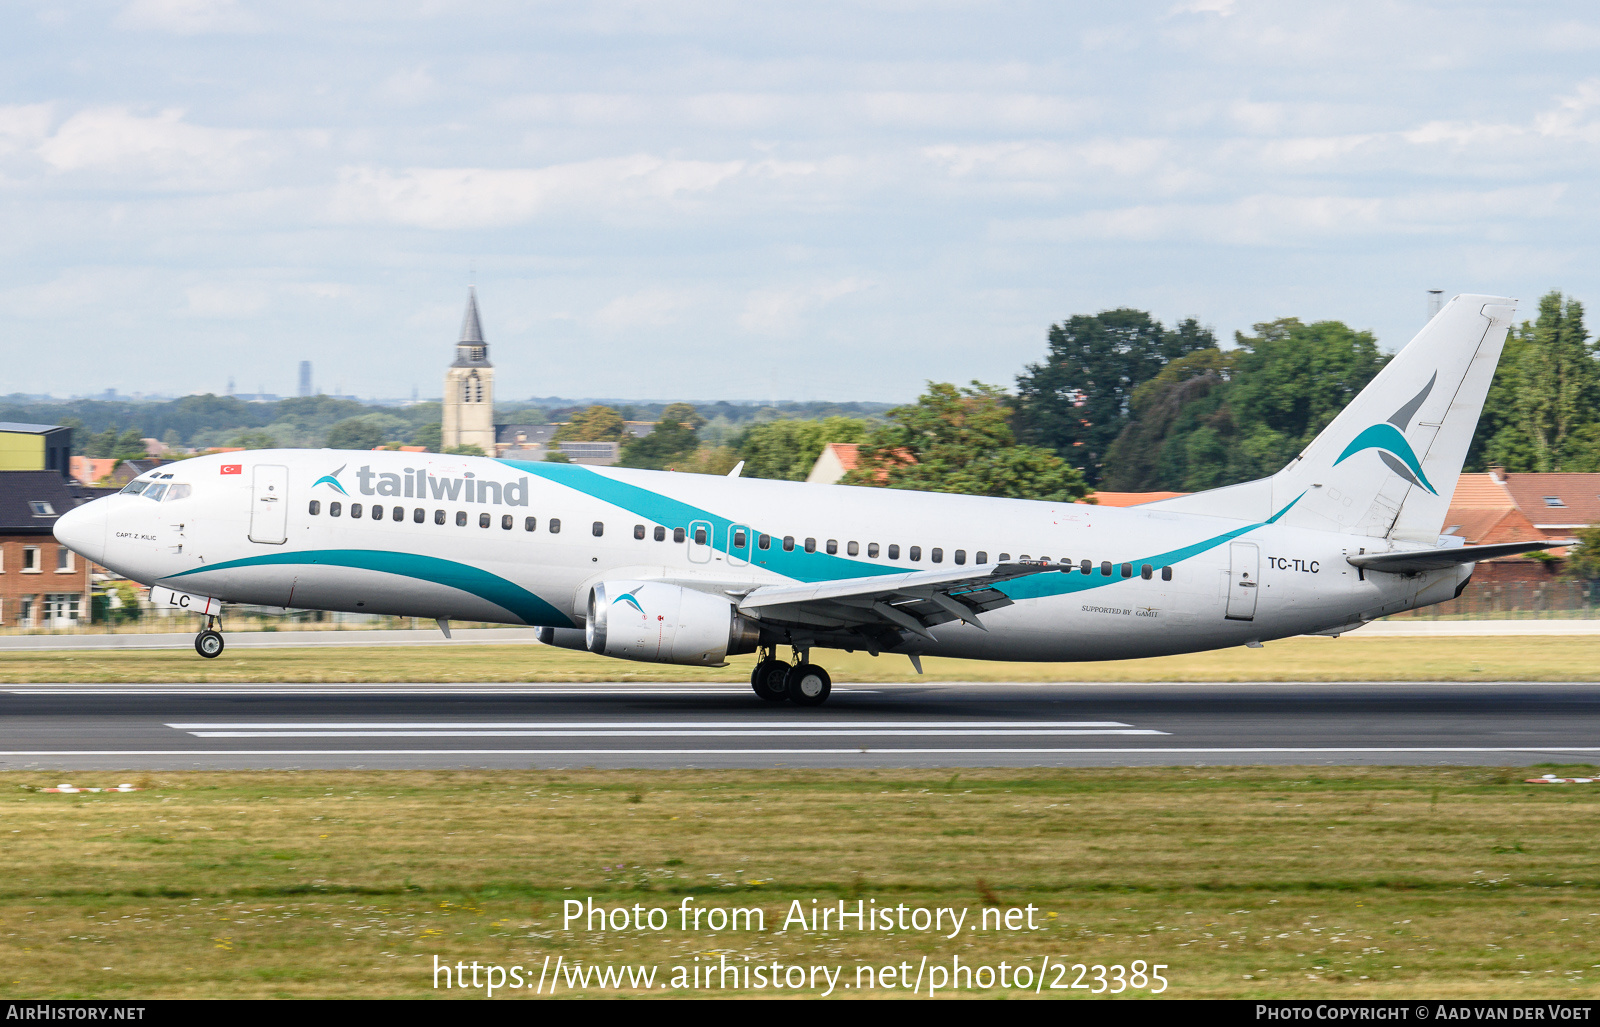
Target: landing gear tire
768	680
208	644
808	685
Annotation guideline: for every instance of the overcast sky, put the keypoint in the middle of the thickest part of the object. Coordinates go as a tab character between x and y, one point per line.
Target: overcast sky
748	200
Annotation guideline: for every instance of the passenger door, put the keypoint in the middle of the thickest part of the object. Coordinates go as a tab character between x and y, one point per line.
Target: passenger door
269	505
1244	580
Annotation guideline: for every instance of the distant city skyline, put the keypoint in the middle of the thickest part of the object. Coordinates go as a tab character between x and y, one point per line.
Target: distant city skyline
808	201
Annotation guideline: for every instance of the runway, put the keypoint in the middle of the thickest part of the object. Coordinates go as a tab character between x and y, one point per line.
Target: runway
188	726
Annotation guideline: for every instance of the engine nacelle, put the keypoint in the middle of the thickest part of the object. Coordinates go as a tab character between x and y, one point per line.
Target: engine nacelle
656	622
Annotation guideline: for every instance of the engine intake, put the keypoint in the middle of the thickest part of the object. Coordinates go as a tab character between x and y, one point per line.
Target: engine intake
655	622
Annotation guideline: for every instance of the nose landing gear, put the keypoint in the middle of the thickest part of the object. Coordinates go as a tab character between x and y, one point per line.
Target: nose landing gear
802	683
209	642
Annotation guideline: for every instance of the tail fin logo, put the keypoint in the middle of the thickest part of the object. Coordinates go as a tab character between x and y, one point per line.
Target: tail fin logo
332	479
1389	439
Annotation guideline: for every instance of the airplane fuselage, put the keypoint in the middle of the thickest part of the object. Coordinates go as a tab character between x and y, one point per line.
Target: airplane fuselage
472	538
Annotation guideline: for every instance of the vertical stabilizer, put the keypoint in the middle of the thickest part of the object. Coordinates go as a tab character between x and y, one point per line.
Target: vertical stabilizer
1387	465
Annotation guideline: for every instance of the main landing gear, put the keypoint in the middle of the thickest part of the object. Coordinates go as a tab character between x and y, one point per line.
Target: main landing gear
209	642
802	682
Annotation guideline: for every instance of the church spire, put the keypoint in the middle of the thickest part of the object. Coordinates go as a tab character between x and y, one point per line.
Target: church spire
471	330
471	350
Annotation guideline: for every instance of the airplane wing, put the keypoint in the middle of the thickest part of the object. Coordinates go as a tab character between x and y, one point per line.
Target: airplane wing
1435	559
914	602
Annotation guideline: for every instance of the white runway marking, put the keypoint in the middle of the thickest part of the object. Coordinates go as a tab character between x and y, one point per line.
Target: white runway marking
657	729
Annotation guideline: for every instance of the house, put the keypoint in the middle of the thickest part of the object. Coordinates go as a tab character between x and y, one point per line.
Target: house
43	584
88	470
35	447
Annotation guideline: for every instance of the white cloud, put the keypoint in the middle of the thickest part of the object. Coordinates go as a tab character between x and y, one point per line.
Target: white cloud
125	146
648	308
188	17
450	198
783	311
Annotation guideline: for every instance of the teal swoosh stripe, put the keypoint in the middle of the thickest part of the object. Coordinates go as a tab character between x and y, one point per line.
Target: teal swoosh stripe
813	567
330	480
652	506
491	587
1386	436
1038	586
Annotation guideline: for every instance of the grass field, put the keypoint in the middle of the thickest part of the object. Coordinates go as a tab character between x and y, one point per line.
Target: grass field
1352	658
1252	882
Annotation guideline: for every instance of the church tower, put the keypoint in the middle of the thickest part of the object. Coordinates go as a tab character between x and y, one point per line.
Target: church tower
469	387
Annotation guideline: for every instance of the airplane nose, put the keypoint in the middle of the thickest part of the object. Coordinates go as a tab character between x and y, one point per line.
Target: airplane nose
83	530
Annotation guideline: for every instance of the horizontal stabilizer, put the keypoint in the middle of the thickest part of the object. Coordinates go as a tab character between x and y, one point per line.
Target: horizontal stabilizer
1435	559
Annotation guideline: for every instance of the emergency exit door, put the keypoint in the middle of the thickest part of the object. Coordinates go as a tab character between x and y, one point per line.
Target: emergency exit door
1244	580
269	505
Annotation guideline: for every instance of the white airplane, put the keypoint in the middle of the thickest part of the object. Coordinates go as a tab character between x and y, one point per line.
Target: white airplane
690	569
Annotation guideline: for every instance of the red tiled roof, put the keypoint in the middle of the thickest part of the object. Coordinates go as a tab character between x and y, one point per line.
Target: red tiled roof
1128	498
848	454
1579	495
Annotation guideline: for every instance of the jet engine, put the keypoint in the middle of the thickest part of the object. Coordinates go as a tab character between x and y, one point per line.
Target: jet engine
656	622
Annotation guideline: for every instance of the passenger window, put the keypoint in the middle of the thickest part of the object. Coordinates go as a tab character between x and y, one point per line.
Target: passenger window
1127	570
1086	567
764	542
872	550
461	518
811	545
982	557
833	547
316	508
506	521
788	543
894	552
334	509
853	549
1024	556
916	553
598	529
638	531
661	533
936	555
1147	572
355	509
483	520
399	513
961	557
1105	568
555	526
1166	574
1005	557
699	536
530	524
438	516
419	515
677	535
739	539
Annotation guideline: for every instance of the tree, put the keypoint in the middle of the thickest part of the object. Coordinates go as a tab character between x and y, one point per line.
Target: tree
1211	418
596	424
1077	400
960	440
429	436
356	433
787	449
469	449
255	440
556	456
1541	413
130	446
673	441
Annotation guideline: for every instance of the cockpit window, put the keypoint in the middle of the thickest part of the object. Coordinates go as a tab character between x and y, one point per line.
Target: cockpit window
133	488
156	491
179	492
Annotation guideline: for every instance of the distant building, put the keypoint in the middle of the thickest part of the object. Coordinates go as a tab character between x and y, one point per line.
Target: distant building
469	387
35	447
43	584
305	378
524	441
88	470
1522	507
